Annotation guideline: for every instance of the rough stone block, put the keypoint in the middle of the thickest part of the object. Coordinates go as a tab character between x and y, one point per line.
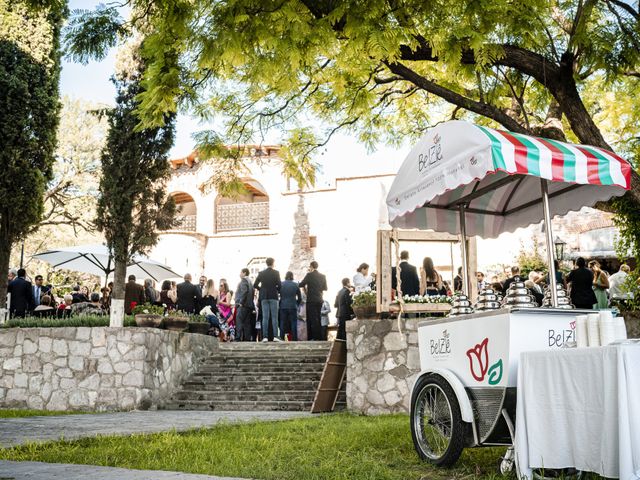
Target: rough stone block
107	396
400	372
375	398
83	333
20	380
44	344
35	402
81	349
369	346
98	351
76	363
8	338
32	364
64	373
122	367
35	383
29	347
140	338
17	351
385	383
92	382
78	399
6	380
413	359
104	366
60	361
395	341
16	397
60	347
12	363
58	401
98	337
45	392
392	398
67	384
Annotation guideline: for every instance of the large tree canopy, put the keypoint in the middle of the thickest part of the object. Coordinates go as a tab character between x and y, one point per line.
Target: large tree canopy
385	69
29	108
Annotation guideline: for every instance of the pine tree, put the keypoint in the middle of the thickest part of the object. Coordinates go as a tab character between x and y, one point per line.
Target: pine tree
29	114
133	203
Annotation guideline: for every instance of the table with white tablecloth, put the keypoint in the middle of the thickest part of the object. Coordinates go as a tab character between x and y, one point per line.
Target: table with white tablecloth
580	407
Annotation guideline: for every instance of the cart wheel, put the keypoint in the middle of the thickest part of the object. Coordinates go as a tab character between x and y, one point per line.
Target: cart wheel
436	423
506	463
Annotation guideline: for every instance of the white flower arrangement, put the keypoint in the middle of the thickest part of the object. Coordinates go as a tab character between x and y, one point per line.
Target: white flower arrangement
427	299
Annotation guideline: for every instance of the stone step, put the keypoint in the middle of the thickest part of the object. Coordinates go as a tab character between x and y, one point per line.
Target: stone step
251	377
244	406
247	396
260	359
266	346
242	385
289	368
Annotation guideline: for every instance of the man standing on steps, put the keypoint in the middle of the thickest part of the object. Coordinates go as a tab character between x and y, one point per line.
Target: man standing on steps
268	282
244	307
188	295
314	284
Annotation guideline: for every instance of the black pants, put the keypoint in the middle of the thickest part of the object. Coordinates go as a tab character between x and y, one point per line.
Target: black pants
314	328
243	324
342	331
584	306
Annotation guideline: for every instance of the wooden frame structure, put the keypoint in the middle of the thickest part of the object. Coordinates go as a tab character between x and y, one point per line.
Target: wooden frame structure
385	258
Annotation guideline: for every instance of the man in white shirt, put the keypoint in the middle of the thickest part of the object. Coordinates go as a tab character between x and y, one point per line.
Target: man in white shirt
616	283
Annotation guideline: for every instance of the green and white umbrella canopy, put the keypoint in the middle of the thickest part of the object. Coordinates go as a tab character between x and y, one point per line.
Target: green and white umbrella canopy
496	175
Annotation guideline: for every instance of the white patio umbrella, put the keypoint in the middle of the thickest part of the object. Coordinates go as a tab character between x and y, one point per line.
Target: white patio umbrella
96	260
472	180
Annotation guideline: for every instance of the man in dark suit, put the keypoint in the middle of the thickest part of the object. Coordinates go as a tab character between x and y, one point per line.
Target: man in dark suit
21	292
133	293
515	274
290	299
343	306
268	282
39	290
188	295
410	283
244	307
314	284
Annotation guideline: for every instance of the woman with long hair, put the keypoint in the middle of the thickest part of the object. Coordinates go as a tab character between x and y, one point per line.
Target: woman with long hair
166	296
430	280
210	295
600	285
225	309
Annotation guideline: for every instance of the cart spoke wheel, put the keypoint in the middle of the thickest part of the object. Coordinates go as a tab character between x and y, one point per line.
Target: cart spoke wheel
436	423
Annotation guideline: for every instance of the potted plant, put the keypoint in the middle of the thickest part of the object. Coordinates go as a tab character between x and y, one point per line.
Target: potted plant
629	307
198	324
177	320
364	304
148	315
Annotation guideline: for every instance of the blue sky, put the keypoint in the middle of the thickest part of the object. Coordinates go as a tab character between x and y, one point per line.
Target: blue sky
344	156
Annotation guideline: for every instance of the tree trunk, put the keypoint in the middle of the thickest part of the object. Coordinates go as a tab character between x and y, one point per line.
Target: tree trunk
117	296
5	255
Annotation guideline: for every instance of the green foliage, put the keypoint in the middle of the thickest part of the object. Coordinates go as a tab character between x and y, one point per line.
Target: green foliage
29	108
75	321
627	244
530	261
364	299
338	446
148	309
93	33
133	204
17	413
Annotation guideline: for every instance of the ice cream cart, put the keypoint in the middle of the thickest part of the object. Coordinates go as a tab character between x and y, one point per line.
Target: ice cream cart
475	181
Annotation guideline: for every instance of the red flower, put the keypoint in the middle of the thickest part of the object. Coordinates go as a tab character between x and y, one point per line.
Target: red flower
479	360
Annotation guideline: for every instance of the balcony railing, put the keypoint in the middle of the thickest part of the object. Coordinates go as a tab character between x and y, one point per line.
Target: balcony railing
185	223
242	216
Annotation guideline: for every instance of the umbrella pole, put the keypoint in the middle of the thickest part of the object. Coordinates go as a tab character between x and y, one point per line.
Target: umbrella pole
544	187
465	258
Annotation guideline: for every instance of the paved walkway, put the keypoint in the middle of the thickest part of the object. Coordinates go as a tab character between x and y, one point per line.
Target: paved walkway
58	471
17	431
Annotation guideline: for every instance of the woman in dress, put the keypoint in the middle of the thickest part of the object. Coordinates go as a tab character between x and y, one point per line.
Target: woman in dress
225	310
600	285
362	280
167	296
430	280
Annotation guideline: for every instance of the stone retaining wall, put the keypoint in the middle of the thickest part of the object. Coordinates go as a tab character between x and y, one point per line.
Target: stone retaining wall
95	369
382	364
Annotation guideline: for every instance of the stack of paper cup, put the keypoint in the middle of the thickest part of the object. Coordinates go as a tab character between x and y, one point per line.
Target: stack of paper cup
607	328
582	339
593	329
620	328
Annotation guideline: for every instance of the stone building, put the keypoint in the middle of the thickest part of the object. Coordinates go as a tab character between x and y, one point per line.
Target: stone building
217	236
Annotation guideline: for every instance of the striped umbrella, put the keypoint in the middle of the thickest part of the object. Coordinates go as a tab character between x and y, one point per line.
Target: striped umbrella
496	175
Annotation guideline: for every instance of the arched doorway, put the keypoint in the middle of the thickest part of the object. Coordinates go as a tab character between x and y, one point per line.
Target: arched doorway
187	212
248	211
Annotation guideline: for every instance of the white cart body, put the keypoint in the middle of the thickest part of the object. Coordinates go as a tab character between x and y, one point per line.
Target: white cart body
478	355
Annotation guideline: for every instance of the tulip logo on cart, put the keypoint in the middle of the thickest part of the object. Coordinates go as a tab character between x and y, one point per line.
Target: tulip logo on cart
441	346
479	364
432	155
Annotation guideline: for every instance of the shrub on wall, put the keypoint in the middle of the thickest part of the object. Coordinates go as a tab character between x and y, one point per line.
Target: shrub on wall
78	321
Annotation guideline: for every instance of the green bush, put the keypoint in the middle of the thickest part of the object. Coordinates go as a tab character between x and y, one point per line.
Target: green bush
76	321
148	309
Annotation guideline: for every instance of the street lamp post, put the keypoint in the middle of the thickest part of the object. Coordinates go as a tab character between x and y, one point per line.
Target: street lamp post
559	245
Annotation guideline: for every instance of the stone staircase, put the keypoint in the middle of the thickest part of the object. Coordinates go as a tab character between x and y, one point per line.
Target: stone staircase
256	376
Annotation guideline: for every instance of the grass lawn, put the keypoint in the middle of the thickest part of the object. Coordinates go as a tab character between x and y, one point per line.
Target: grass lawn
34	413
341	446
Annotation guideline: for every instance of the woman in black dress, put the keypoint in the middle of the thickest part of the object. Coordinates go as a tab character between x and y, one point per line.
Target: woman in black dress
581	282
